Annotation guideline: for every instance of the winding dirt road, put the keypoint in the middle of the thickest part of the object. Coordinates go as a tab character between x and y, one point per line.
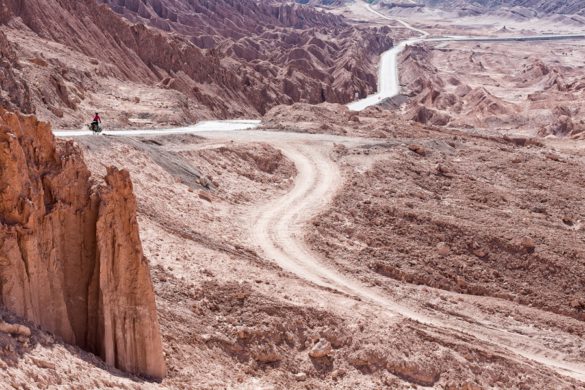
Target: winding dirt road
278	226
278	229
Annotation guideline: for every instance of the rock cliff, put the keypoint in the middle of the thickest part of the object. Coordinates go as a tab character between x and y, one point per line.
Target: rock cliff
14	92
71	259
286	53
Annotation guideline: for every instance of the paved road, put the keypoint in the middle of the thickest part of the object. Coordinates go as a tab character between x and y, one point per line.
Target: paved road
206	126
388	69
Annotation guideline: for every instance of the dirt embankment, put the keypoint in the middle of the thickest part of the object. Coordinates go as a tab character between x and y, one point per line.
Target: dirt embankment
337	119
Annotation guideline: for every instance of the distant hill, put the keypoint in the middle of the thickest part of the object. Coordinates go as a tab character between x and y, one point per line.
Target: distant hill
543	7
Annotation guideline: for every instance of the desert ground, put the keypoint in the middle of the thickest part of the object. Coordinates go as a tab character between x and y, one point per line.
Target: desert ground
287	260
433	241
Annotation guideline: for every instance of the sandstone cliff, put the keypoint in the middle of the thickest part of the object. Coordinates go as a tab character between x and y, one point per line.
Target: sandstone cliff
71	259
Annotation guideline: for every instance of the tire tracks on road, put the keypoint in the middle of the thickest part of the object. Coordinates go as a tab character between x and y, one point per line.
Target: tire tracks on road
278	229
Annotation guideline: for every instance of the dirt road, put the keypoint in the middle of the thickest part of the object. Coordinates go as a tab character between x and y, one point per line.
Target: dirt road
278	229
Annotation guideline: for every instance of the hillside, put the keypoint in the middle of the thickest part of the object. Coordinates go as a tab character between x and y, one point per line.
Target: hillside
520	8
544	7
170	62
433	239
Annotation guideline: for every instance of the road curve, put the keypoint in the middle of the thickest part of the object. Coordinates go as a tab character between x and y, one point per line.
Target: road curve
278	229
388	70
388	80
278	225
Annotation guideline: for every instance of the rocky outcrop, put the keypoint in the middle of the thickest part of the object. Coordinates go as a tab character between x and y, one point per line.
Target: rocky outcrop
127	302
295	53
71	259
441	101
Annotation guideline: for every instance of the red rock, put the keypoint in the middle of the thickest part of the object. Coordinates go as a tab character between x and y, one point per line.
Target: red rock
222	58
205	196
443	249
418	149
68	245
15	329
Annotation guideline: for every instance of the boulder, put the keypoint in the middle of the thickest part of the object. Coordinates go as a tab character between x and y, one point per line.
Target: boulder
266	354
443	249
205	196
422	375
525	244
418	149
15	329
320	350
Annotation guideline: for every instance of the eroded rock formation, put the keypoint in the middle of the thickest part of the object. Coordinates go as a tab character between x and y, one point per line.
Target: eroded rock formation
71	259
218	59
519	8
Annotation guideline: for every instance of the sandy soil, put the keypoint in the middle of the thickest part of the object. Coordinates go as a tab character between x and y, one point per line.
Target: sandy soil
364	252
244	302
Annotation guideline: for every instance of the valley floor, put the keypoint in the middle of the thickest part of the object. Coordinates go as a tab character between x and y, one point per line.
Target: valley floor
271	270
339	250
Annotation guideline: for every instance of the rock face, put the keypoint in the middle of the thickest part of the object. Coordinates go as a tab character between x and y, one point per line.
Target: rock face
436	101
293	53
71	259
543	93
